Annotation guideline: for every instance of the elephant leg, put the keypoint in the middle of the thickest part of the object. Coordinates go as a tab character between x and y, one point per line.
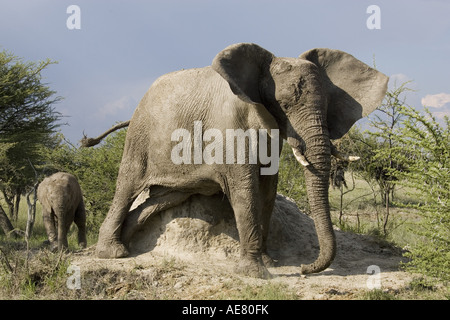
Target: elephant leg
129	186
247	210
161	198
62	230
80	221
50	227
268	189
109	244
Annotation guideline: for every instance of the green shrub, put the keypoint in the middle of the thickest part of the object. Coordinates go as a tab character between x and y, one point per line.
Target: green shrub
425	153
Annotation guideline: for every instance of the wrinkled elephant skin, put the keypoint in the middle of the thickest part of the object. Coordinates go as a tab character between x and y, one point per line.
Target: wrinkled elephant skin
62	204
310	100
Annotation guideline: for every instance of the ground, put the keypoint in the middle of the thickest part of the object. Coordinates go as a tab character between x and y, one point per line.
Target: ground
188	255
162	276
190	252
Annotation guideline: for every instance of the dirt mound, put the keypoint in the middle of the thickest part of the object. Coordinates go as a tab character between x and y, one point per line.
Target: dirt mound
189	252
204	227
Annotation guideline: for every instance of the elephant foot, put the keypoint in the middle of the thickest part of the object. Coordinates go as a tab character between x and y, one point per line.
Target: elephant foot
111	250
252	268
53	246
268	261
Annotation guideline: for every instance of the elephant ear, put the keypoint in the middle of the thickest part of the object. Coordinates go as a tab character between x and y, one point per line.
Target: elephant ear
353	88
242	66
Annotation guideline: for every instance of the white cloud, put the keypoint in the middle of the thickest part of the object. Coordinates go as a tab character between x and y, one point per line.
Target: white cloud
436	100
116	106
398	78
441	115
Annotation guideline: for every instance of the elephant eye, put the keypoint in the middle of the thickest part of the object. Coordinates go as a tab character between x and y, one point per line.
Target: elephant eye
282	67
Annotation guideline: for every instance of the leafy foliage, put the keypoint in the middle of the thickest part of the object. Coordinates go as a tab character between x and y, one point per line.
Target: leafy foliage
25	102
424	149
384	123
27	120
377	147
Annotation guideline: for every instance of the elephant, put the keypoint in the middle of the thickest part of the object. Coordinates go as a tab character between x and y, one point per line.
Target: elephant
62	203
307	101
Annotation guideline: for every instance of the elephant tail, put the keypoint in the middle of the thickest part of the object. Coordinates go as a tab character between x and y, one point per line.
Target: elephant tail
90	142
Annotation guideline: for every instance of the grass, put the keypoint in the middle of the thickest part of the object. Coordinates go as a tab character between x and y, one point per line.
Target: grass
378	294
362	212
418	289
268	291
36	272
32	274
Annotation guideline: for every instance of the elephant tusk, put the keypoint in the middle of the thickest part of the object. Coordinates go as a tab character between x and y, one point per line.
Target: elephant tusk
300	157
342	156
345	157
353	158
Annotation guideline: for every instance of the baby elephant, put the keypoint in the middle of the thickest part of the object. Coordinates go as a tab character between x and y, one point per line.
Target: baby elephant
62	204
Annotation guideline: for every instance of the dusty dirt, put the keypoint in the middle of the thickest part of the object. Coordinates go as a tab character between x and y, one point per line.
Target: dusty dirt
189	252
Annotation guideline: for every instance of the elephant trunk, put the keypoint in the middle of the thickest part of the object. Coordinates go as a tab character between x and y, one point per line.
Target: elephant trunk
317	190
317	171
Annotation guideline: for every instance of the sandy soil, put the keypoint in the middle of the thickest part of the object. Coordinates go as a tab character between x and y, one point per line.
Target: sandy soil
174	277
189	253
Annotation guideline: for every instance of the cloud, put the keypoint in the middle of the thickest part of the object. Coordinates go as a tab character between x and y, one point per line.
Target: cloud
440	116
398	79
436	100
115	107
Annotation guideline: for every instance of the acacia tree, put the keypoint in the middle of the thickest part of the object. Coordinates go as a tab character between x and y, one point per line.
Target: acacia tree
386	121
27	121
5	224
379	145
423	146
376	148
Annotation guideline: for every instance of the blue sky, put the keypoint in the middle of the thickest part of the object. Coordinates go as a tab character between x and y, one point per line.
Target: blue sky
105	67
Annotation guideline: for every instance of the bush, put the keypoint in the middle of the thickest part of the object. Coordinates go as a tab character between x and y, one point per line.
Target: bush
425	153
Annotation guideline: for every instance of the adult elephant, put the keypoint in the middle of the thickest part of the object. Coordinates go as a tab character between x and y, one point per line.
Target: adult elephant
62	204
310	100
